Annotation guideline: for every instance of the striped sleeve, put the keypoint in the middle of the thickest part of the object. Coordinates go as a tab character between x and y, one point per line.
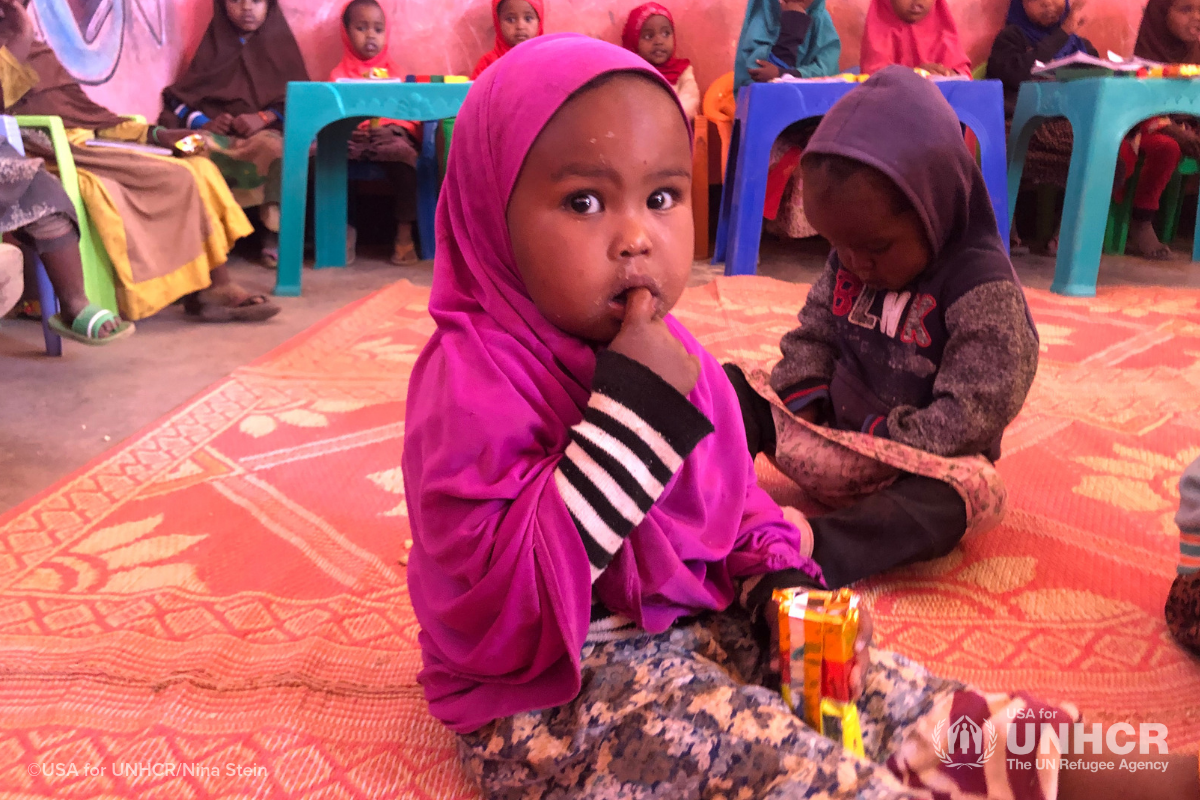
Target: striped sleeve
635	434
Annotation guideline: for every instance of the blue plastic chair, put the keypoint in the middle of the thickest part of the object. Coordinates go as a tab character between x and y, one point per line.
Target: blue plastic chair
46	297
764	110
329	112
1101	111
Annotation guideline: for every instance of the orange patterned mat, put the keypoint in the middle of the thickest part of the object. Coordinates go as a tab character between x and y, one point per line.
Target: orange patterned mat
217	608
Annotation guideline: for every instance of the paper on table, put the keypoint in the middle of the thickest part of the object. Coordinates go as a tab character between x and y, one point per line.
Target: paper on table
1081	60
148	149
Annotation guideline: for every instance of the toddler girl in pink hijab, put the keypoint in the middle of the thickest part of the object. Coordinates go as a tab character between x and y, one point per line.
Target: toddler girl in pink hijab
591	554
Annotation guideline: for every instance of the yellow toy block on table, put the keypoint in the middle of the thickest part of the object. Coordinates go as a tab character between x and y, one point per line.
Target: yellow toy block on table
98	276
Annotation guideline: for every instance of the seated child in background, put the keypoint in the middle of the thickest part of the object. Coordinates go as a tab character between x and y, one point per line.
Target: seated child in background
795	38
1043	30
389	142
235	89
650	32
916	332
589	544
913	33
1169	33
1183	603
515	21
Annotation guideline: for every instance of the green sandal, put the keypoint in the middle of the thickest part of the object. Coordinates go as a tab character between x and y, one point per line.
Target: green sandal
86	327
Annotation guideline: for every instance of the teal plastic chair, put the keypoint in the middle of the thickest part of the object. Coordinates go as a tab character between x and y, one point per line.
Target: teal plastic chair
329	113
1101	111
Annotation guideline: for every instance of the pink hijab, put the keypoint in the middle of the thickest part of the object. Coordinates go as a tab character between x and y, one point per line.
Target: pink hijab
887	39
498	574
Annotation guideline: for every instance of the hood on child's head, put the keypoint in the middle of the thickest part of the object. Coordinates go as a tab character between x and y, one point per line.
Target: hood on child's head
505	110
900	124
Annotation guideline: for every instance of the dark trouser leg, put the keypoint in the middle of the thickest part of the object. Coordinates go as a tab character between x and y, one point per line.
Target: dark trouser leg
57	243
914	519
756	413
404	182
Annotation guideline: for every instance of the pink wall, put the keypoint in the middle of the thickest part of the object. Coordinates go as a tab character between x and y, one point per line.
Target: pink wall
448	36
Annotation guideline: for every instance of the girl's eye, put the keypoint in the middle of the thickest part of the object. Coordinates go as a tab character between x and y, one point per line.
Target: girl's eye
662	200
585	203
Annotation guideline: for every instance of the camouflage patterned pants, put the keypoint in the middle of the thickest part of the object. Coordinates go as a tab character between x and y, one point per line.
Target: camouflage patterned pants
681	715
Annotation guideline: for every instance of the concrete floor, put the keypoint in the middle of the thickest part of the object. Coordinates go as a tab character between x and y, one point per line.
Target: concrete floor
56	415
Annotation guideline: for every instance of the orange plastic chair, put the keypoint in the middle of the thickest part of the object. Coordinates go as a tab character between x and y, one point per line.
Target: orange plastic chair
720	107
700	183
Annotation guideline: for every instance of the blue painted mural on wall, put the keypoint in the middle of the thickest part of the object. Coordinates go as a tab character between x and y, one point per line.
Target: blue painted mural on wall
89	35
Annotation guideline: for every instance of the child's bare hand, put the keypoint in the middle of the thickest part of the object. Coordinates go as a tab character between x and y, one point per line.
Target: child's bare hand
248	124
936	69
765	72
221	125
644	337
862	652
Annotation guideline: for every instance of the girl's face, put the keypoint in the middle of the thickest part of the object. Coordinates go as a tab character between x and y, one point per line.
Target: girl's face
518	21
1183	20
247	15
883	247
367	30
657	40
912	11
603	205
1046	13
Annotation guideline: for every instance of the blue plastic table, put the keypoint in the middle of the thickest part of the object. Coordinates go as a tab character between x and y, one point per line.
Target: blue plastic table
329	112
764	110
1101	111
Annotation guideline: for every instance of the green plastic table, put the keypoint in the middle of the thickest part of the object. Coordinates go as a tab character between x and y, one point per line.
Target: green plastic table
329	113
1101	112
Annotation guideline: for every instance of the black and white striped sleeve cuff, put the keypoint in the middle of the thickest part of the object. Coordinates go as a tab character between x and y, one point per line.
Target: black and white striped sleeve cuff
635	434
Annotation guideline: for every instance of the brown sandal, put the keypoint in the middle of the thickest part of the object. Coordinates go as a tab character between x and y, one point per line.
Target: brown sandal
230	303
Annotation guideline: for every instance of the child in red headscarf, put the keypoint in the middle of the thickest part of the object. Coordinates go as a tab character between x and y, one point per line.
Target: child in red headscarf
913	33
515	21
387	141
650	32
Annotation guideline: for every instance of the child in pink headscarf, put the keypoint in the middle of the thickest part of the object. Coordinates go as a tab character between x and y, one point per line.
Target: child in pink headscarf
650	32
389	142
515	21
913	33
591	554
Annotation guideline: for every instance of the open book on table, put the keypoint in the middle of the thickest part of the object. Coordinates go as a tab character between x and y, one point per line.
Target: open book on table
1083	65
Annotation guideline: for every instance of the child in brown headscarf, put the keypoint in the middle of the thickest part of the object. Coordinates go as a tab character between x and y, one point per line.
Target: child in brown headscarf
167	225
1170	33
234	90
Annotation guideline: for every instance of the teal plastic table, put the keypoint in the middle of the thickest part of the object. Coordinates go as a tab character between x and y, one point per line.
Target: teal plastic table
1101	112
329	113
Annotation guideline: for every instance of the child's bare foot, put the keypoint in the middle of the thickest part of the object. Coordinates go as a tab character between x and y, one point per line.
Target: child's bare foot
404	251
1143	241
